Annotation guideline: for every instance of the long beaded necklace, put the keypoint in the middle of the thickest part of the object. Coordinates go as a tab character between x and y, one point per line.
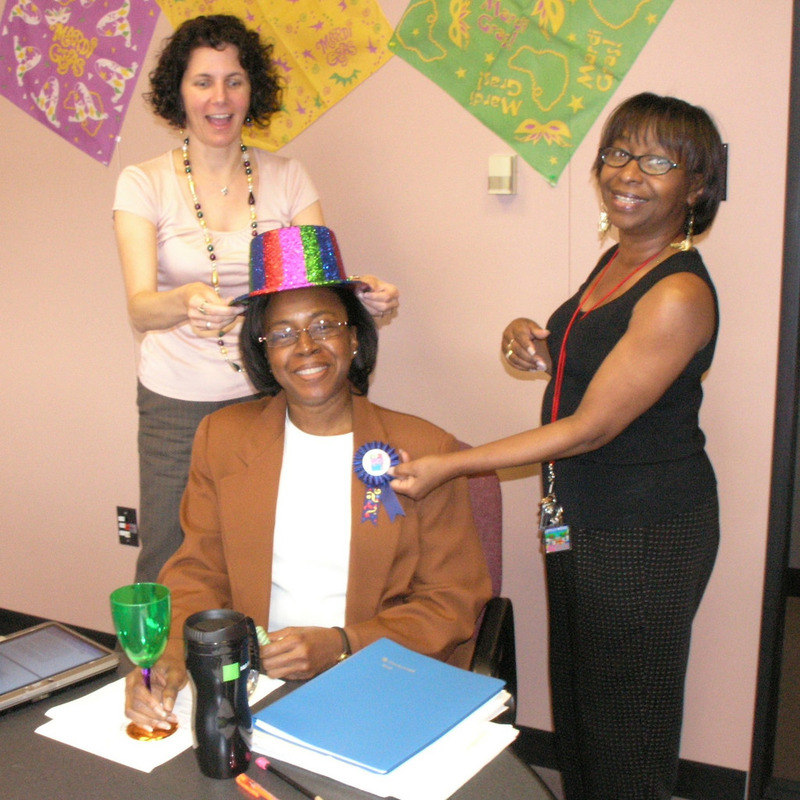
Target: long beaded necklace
212	256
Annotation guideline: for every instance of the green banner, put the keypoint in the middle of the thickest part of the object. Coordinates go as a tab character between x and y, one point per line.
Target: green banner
537	73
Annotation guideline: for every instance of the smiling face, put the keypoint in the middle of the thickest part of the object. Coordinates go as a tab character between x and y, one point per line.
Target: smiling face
313	374
215	90
641	206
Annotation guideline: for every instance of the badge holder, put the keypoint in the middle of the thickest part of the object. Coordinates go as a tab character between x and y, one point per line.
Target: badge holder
555	534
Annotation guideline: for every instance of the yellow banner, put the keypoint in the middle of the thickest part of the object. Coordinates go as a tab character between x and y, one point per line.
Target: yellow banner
323	49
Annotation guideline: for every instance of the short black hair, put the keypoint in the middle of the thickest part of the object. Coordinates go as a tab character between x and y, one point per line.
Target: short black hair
254	353
685	131
217	31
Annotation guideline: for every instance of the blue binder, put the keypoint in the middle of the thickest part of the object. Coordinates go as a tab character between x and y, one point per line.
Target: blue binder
379	707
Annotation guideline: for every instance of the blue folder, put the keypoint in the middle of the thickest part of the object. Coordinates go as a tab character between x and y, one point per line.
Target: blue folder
379	707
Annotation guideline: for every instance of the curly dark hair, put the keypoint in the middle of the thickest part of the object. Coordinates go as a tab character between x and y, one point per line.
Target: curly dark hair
217	31
686	132
254	353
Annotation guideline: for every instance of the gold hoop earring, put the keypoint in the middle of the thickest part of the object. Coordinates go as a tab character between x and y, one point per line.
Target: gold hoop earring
687	242
603	222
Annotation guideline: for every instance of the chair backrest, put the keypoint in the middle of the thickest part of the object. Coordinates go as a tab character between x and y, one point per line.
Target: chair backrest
495	648
487	509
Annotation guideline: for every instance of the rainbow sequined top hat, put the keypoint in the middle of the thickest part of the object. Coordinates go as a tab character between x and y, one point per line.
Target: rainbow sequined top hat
299	257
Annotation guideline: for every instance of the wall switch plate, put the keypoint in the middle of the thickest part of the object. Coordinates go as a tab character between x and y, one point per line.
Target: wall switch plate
127	528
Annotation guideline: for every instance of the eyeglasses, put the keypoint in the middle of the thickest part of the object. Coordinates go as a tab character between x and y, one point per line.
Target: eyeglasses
648	163
318	331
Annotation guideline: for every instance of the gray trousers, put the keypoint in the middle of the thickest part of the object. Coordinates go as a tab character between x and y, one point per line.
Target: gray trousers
166	432
621	605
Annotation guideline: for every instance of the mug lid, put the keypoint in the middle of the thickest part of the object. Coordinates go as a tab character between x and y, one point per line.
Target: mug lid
215	626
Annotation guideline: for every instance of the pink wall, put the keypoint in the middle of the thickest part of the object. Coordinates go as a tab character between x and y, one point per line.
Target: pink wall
402	170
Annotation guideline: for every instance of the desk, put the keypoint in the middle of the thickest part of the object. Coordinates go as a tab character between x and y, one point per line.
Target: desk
33	767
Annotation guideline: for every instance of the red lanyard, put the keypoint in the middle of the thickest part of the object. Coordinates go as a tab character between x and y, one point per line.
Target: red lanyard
562	356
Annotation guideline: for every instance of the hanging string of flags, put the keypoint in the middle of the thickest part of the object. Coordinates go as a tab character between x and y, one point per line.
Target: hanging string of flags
536	72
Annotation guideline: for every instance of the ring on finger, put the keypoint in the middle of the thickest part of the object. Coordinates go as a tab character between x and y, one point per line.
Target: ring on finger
509	352
202	308
208	326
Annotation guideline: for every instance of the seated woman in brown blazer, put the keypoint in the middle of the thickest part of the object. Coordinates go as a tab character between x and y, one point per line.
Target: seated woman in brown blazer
285	518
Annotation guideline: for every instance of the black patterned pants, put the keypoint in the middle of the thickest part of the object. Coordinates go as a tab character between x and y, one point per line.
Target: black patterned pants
621	605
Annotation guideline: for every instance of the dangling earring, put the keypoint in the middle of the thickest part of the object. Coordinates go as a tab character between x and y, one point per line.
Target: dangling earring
603	222
686	243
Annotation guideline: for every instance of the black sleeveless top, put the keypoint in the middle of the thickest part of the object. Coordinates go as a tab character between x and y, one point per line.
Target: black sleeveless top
657	467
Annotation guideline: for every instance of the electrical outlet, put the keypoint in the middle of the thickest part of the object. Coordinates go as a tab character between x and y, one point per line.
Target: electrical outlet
127	528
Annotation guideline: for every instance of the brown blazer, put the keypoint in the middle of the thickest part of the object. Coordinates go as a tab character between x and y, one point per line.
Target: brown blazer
421	580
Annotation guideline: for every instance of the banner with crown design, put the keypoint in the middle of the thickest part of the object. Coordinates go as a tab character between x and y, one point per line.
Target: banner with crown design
73	64
323	50
536	72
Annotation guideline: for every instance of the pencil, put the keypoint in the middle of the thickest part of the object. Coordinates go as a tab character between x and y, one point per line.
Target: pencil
293	783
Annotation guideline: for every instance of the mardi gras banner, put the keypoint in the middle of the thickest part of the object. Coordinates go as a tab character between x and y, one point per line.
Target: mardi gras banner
537	72
72	65
323	49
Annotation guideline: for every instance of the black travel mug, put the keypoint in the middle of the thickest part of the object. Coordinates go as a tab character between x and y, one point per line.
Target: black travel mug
221	650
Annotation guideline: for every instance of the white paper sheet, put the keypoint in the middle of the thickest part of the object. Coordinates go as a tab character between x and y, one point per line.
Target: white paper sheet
96	723
435	773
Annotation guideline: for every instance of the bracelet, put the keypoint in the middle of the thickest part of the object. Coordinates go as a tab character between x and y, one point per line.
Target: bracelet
346	649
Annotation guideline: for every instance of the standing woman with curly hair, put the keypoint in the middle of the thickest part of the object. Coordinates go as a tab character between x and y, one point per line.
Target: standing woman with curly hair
183	223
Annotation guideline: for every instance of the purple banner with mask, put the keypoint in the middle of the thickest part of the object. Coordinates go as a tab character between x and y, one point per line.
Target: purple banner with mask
73	65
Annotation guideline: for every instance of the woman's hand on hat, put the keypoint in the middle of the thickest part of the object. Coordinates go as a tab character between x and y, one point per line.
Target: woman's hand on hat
380	298
207	313
300	653
525	347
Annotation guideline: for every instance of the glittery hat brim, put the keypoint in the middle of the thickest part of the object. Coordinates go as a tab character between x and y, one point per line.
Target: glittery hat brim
354	283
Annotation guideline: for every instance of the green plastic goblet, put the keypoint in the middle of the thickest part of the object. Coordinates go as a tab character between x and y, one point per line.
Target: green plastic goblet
141	614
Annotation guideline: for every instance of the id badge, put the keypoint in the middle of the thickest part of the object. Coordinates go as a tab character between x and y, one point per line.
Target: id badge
550	512
556	538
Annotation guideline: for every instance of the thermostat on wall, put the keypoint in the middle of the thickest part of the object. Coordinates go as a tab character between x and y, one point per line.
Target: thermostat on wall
503	174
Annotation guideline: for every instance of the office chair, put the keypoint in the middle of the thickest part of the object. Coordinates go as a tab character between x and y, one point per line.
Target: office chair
495	651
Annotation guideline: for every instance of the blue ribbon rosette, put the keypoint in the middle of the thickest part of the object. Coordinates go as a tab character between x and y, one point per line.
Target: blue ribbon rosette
371	464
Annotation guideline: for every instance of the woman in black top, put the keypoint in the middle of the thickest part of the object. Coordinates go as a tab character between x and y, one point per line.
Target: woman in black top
630	519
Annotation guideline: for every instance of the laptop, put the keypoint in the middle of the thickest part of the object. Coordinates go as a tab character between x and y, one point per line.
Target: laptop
38	660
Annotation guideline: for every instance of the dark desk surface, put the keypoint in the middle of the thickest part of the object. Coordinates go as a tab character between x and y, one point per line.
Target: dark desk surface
34	766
